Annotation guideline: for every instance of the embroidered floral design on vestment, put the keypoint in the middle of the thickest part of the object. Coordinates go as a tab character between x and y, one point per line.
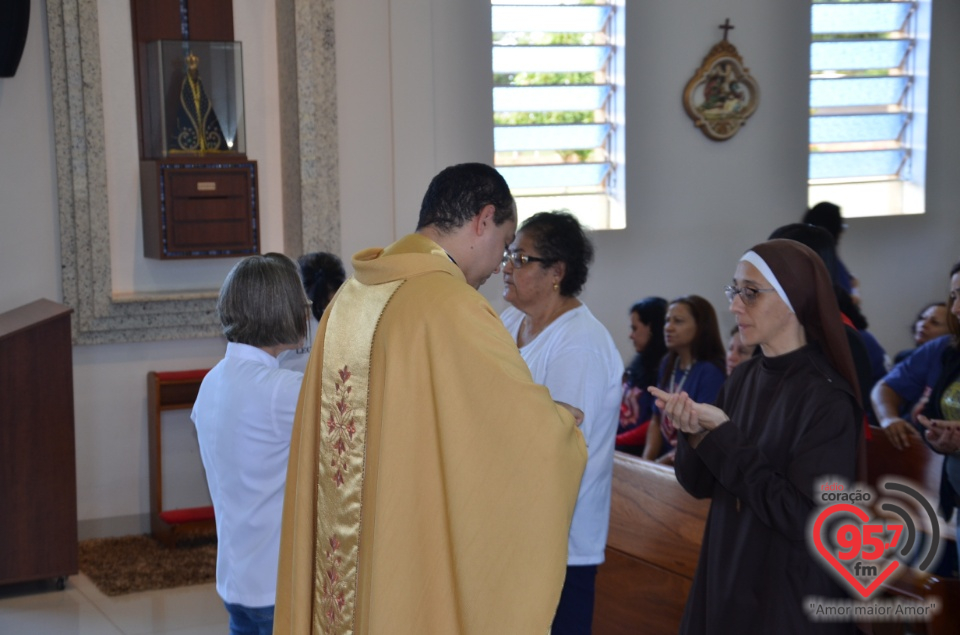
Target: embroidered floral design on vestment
332	593
341	425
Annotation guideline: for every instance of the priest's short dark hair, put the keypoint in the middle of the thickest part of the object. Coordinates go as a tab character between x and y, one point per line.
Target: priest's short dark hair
458	193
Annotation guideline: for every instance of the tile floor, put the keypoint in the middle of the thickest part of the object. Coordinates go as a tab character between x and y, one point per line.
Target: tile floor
80	609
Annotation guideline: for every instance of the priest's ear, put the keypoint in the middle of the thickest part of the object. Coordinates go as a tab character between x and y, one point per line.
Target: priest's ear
484	220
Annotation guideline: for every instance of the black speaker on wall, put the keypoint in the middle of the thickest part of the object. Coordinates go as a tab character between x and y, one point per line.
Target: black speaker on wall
14	21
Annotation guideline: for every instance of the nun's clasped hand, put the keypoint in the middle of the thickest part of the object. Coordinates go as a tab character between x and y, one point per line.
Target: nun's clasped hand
686	414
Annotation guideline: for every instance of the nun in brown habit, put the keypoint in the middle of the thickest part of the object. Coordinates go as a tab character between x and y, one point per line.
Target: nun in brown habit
784	422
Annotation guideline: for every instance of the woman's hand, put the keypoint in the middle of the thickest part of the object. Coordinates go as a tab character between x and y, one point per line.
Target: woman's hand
686	414
576	412
899	433
943	435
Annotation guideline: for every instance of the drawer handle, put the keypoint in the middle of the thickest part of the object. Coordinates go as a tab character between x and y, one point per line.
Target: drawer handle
206	186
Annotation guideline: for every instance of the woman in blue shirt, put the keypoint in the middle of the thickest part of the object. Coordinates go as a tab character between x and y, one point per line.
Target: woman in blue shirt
930	377
695	363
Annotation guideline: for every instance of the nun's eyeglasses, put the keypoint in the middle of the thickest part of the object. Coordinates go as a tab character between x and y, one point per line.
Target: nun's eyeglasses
749	295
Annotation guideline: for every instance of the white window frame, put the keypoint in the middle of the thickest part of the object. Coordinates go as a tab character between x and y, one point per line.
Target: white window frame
600	210
904	194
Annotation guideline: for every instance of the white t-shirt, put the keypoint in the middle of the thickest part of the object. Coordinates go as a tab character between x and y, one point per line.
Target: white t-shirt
296	359
244	417
576	359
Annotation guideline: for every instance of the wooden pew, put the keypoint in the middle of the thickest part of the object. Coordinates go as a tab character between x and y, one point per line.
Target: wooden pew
917	463
652	550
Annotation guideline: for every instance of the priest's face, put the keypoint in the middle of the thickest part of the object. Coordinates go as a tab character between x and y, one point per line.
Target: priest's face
492	240
766	320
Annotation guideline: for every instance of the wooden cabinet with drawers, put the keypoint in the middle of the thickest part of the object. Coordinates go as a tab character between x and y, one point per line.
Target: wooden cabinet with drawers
194	209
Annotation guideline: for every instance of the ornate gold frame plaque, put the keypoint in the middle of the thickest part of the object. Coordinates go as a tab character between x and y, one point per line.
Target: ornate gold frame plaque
722	94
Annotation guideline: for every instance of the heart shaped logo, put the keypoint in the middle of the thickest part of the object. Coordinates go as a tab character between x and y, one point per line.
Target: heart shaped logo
858	544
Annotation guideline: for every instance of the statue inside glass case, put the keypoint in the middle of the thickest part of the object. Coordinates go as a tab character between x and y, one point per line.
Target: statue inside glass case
197	128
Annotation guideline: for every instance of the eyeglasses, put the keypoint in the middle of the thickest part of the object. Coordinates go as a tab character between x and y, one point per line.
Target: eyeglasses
749	295
519	259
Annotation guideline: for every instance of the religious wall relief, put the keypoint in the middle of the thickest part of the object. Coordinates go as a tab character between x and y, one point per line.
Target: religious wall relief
722	94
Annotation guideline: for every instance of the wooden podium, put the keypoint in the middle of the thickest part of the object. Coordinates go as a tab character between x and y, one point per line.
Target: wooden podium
38	476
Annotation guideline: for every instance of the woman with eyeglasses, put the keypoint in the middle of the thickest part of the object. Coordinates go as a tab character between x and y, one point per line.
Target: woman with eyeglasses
785	422
695	362
570	352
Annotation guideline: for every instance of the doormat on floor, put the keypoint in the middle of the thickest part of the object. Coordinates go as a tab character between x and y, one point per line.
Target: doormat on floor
139	563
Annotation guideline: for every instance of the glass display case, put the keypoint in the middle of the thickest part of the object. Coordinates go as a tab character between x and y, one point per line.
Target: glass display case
192	99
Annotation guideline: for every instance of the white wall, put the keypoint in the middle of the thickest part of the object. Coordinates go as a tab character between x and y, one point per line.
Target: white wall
413	97
29	225
414	91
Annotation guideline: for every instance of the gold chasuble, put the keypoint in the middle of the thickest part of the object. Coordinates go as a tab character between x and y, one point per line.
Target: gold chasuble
431	481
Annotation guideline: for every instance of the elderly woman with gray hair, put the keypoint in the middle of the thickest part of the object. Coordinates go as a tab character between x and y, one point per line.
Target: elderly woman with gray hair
244	417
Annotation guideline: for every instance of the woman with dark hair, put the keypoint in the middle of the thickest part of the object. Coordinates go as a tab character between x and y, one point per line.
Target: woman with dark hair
322	275
785	421
827	215
244	418
931	378
636	406
931	322
695	362
570	352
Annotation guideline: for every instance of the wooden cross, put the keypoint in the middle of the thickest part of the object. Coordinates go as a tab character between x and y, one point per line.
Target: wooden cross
726	26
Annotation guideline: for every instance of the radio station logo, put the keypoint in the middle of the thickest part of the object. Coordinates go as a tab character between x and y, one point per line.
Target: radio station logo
866	542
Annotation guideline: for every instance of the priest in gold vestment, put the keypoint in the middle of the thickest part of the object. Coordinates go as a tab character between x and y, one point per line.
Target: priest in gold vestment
431	482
